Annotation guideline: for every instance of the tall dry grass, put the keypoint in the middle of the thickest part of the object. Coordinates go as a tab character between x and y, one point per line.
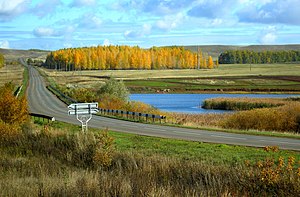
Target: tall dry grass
284	118
51	162
242	103
11	73
197	120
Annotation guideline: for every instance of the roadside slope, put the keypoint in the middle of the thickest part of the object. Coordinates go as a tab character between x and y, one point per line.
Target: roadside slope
40	100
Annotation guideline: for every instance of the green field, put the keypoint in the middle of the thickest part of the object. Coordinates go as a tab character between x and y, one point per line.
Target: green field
261	77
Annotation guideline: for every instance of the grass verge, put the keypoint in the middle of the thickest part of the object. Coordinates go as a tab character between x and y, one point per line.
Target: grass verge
24	82
218	153
47	161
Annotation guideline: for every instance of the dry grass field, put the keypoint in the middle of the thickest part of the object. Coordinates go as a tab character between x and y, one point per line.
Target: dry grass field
14	55
233	77
11	73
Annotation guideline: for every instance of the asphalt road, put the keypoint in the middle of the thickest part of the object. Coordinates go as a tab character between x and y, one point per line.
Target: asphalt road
41	101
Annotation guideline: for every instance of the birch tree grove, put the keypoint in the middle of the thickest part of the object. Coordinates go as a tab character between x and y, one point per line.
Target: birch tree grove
125	58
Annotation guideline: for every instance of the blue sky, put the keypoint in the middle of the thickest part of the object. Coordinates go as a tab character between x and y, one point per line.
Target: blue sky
55	24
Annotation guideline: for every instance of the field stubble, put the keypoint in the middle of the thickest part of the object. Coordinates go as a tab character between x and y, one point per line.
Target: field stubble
11	73
231	77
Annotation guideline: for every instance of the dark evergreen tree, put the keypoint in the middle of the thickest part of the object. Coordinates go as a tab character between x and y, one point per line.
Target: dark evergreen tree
264	57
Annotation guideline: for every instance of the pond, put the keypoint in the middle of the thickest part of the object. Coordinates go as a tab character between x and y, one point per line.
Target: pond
191	103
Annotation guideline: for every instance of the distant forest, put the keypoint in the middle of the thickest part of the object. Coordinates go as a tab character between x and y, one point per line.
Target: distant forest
263	57
125	57
1	60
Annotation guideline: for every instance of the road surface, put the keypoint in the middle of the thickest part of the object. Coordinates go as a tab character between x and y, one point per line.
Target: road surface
41	101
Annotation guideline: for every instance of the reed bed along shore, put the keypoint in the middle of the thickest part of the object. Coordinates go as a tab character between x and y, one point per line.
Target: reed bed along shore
244	103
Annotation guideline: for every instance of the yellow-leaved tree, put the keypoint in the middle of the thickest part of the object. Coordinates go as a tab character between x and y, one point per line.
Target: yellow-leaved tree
12	110
210	62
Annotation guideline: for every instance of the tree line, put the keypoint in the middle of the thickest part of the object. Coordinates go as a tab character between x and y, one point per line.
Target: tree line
263	57
126	57
1	60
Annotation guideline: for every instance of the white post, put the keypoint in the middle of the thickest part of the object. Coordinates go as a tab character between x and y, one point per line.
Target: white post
84	120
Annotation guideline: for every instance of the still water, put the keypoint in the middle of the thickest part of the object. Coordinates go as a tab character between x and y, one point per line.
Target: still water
191	103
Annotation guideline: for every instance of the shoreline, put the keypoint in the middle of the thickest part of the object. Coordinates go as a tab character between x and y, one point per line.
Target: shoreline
215	92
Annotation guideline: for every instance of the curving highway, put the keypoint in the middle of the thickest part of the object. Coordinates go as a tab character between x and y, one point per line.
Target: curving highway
41	101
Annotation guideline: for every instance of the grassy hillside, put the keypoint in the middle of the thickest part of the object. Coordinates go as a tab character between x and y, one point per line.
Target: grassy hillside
14	54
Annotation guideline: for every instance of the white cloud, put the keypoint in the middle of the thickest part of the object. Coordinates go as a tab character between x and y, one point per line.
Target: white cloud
67	45
213	8
52	32
45	7
271	12
268	35
268	38
12	8
90	21
4	44
132	34
156	7
45	32
169	22
106	42
80	3
147	29
217	22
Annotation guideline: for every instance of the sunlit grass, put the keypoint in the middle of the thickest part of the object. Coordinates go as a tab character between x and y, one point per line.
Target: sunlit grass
226	77
11	73
54	160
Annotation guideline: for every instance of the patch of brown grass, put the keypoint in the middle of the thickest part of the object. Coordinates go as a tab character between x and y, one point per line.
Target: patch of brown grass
197	120
284	118
11	73
244	103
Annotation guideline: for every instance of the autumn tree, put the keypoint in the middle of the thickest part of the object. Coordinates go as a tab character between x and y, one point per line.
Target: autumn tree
210	63
124	57
12	110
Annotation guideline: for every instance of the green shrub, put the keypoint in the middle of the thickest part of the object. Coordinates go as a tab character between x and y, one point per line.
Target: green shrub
114	88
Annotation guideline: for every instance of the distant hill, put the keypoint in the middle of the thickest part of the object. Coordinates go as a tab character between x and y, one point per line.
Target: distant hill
14	54
212	50
215	50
